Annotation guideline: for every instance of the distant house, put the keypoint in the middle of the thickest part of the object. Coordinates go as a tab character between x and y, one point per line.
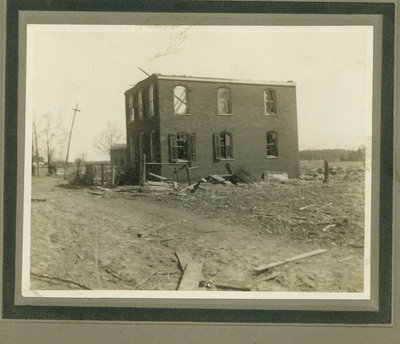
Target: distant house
118	155
207	122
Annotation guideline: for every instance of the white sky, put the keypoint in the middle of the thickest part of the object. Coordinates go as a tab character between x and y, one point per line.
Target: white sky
94	65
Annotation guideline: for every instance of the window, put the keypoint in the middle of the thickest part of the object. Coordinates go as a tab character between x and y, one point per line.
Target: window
131	108
223	145
272	144
151	101
182	146
140	104
270	102
224	100
153	146
180	100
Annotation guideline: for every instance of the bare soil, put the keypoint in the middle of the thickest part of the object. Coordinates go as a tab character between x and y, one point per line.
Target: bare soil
86	238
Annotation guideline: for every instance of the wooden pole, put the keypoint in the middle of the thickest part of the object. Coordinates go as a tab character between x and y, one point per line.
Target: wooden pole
112	174
326	171
188	174
69	140
102	174
142	170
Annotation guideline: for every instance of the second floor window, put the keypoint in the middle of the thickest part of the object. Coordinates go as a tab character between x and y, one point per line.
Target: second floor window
131	108
140	104
224	100
270	102
151	100
180	100
223	145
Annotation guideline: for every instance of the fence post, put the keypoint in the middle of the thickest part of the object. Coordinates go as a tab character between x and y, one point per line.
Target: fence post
326	171
102	174
188	174
142	170
112	174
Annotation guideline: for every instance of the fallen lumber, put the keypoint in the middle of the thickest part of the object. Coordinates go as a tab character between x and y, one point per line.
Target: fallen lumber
308	206
269	277
240	173
232	285
157	176
183	258
262	268
54	278
191	276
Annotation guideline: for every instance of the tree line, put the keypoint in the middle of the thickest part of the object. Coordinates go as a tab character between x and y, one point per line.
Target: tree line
333	154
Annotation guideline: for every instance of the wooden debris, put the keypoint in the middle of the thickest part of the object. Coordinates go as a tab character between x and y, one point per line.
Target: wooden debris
329	226
217	179
191	276
308	206
183	258
232	285
240	173
157	176
38	200
145	279
262	268
269	277
44	276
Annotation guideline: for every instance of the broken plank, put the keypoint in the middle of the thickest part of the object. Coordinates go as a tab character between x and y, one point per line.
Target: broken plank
157	176
183	258
269	277
308	206
262	268
191	276
232	285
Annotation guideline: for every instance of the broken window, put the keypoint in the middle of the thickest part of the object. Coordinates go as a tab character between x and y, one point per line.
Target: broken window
182	146
151	100
272	144
223	145
270	102
153	146
131	107
140	104
224	100
180	100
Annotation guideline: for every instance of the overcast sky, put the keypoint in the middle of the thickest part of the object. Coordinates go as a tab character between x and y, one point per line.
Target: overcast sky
94	65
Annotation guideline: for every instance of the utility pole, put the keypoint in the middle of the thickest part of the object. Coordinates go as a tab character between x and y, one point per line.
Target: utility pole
69	140
36	148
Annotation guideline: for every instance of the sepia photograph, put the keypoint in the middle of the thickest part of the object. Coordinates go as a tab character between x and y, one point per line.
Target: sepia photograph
222	160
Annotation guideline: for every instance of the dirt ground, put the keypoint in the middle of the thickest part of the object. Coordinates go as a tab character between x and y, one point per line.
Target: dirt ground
90	238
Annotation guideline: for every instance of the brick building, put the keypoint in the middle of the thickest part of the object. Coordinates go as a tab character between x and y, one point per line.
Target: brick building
208	122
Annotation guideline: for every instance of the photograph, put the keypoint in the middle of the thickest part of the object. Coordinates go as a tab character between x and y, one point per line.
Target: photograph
222	160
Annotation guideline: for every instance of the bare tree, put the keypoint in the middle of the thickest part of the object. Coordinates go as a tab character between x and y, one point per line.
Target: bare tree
51	135
110	135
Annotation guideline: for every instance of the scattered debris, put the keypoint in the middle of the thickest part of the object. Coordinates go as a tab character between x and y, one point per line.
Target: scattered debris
308	206
232	285
157	176
82	286
38	200
183	258
262	268
329	226
269	277
275	176
240	173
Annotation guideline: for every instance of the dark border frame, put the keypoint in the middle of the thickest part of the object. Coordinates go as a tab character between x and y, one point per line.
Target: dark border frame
382	316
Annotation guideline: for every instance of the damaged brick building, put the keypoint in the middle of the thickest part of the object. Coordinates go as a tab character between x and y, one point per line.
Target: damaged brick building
207	122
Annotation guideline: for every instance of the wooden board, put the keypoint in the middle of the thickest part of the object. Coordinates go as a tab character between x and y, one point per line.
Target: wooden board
191	276
232	285
184	258
157	176
262	268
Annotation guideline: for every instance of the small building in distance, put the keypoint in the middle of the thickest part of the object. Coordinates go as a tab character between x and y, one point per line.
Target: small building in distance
118	155
207	122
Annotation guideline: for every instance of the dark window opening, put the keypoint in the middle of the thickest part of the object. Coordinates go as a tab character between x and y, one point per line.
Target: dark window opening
272	144
180	100
182	146
223	145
